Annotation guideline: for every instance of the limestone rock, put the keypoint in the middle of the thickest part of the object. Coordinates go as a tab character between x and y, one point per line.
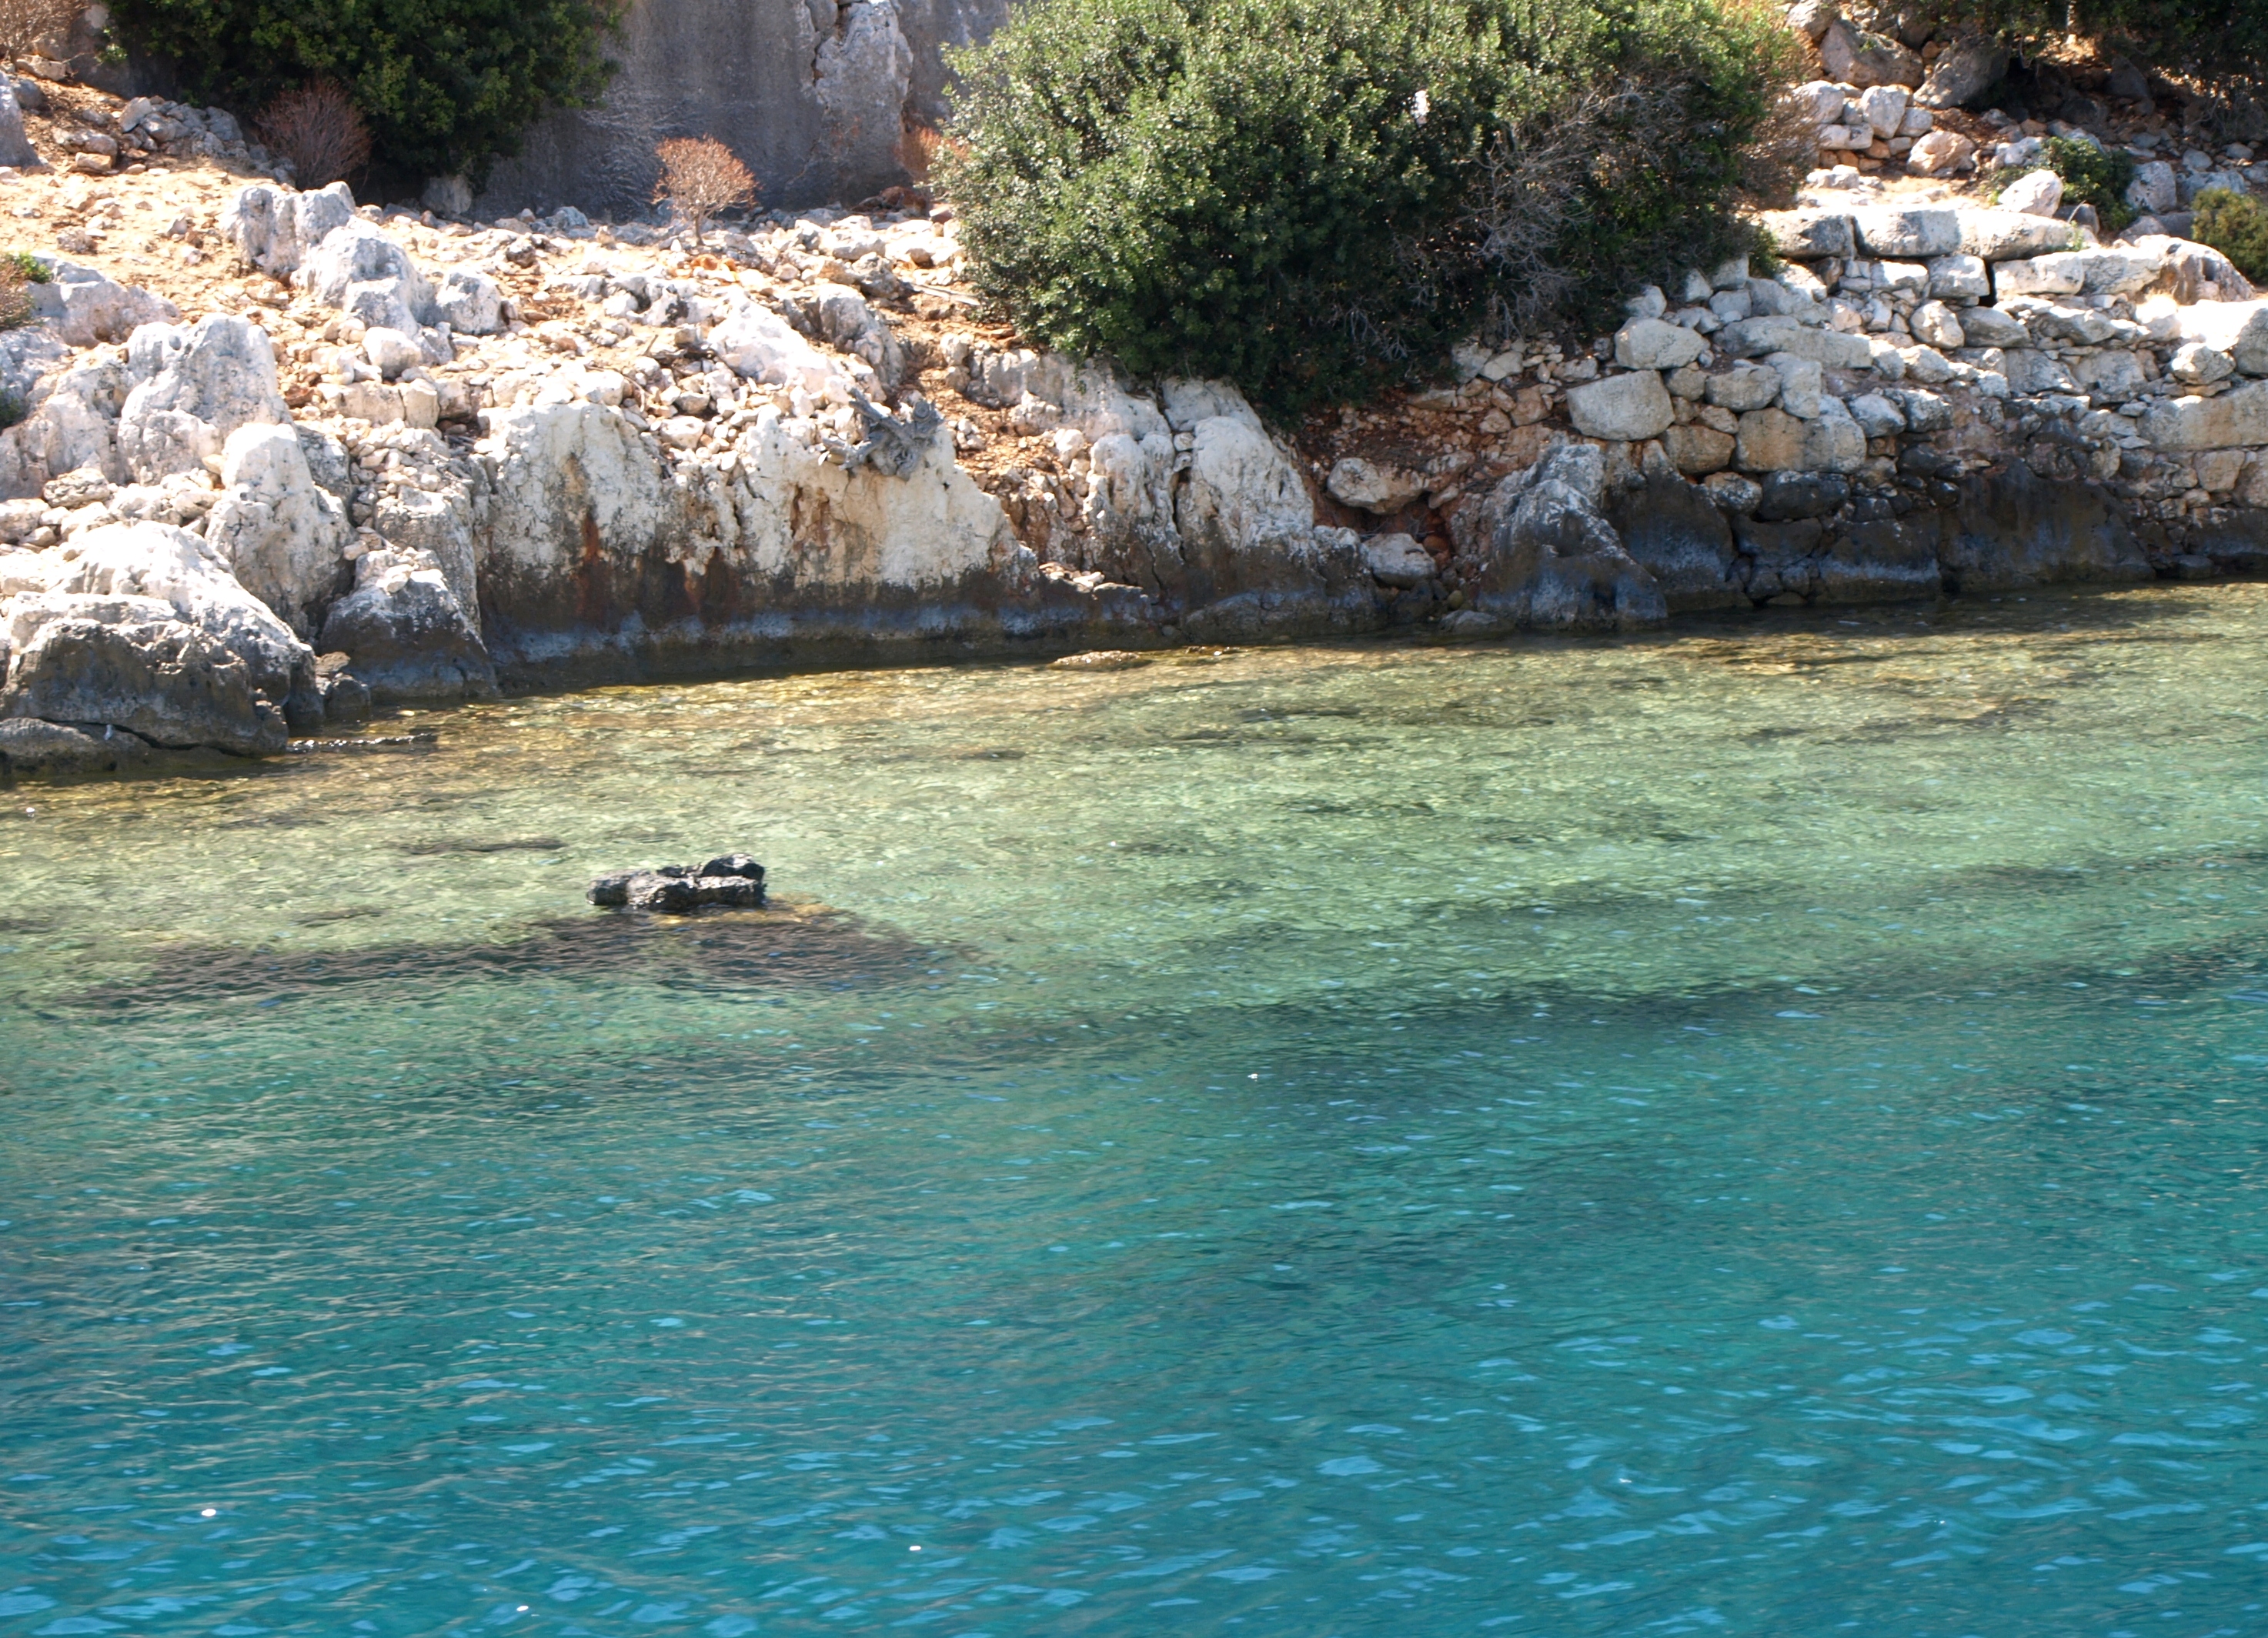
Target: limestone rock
54	750
1772	440
1653	344
408	638
157	561
85	306
1884	108
1963	71
1957	278
2005	235
129	663
1940	153
197	387
2234	419
1371	488
15	148
1989	326
274	228
1697	449
1743	387
281	534
1810	235
1621	408
757	344
1753	337
360	270
1857	58
468	302
2036	194
1916	233
1934	323
1553	561
1397	560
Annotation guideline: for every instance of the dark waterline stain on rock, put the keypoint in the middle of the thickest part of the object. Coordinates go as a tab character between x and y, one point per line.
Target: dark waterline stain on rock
794	947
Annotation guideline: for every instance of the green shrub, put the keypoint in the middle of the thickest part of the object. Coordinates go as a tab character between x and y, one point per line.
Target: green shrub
2093	176
1313	198
447	85
12	407
2236	225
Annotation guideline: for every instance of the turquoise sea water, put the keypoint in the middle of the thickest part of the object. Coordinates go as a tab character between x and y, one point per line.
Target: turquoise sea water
1755	1131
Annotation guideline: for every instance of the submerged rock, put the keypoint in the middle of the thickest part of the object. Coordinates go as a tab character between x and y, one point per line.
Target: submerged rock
731	881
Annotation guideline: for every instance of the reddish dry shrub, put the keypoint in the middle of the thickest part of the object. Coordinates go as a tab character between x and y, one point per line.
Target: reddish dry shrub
699	178
319	130
919	147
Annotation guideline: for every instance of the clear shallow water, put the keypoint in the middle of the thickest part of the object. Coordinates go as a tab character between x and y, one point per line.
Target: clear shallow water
1758	1131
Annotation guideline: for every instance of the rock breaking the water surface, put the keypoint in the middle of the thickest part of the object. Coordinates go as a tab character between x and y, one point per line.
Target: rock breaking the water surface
731	881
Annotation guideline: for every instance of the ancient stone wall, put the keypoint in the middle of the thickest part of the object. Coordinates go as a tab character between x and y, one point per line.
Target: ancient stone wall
813	97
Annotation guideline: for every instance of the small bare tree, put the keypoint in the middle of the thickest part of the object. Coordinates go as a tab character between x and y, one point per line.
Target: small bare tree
318	129
26	25
699	178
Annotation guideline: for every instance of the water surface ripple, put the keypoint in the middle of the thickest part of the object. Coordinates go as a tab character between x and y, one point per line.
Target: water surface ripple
1753	1131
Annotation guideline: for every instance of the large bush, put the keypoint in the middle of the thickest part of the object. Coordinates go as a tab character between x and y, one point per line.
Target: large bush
447	85
1314	197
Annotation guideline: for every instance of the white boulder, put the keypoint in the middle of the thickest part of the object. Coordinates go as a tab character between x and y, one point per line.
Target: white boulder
279	532
197	387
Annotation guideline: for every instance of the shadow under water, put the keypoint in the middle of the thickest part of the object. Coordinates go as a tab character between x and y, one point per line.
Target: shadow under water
790	945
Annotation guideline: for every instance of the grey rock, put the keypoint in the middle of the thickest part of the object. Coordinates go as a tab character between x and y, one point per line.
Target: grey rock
1963	71
1960	277
15	148
2017	529
197	387
1918	234
1553	561
1397	560
1810	235
1857	58
130	662
1791	495
1621	408
2153	191
1989	326
1677	533
410	639
87	307
282	535
29	746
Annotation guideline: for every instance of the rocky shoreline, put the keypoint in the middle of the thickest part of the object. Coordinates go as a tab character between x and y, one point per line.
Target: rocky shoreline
406	461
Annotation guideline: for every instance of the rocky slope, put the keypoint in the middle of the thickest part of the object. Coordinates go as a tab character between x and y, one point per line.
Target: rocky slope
281	457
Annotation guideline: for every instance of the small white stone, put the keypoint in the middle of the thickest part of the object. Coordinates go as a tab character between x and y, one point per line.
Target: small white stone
2036	194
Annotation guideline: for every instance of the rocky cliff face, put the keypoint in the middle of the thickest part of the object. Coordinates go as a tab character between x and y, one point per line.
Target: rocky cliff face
426	462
